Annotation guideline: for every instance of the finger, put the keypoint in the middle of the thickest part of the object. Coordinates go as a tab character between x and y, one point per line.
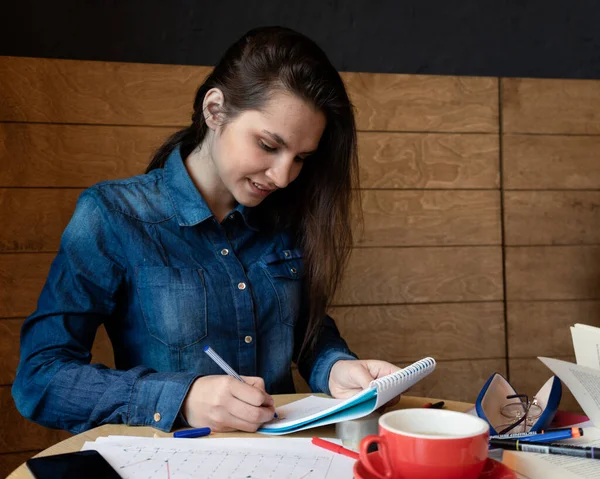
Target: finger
379	369
251	414
255	381
250	394
362	376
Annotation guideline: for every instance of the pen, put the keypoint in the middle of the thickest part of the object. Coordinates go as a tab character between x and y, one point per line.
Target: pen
547	448
434	405
189	433
546	436
224	366
333	447
576	431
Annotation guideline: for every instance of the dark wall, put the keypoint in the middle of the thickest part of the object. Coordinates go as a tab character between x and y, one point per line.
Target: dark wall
526	38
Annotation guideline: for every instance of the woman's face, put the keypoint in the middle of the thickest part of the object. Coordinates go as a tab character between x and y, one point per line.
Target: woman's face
262	151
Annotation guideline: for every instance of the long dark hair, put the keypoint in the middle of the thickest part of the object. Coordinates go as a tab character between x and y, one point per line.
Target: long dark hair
317	205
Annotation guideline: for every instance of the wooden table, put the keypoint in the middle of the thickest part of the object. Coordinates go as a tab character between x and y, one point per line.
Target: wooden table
75	443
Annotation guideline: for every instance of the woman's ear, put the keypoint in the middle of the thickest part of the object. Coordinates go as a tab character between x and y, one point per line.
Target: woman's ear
212	107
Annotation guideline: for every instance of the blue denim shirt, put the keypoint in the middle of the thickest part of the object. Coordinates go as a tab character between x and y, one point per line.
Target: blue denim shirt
146	257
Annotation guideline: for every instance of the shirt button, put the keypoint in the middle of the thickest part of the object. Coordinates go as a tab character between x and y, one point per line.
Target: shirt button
242	286
231	216
156	416
224	251
293	270
286	254
248	339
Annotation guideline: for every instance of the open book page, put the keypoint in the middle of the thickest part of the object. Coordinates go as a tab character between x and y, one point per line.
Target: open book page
308	408
586	343
221	458
583	382
549	466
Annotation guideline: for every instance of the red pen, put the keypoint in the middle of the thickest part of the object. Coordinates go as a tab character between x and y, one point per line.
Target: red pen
317	441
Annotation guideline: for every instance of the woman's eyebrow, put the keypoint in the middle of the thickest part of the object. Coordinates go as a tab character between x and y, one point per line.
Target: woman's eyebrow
277	138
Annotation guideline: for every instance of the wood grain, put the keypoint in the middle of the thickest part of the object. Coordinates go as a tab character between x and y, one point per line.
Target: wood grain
65	91
552	272
34	218
422	275
22	276
552	217
428	160
393	102
458	379
538	162
444	331
528	375
430	218
20	434
68	91
548	322
10	330
41	155
531	105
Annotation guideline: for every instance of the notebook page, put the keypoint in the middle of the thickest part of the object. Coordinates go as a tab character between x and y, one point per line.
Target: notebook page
225	458
396	383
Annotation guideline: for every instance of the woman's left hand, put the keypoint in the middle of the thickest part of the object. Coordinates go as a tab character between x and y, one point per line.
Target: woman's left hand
349	377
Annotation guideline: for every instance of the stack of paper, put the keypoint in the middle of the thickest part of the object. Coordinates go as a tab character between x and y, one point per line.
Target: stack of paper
243	458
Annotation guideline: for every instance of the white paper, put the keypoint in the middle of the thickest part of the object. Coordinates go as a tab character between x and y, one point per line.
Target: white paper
237	458
583	382
586	343
309	408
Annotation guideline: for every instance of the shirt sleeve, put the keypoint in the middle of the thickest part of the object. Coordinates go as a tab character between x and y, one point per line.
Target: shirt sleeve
56	385
315	364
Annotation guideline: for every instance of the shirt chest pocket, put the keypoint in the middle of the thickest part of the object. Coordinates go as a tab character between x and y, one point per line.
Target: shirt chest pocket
173	303
284	270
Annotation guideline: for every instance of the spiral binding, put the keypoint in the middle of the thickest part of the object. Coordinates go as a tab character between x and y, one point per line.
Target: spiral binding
408	372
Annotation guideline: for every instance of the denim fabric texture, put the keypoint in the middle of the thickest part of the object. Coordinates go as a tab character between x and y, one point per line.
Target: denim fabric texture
145	257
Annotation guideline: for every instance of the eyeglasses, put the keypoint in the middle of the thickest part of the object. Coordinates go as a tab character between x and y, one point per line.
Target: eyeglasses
521	414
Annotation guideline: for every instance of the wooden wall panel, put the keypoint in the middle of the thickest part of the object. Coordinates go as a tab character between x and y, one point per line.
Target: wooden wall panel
430	218
109	93
552	272
444	331
428	160
552	217
42	155
19	434
22	276
527	376
548	322
64	91
423	102
538	162
36	155
42	216
9	349
419	275
551	106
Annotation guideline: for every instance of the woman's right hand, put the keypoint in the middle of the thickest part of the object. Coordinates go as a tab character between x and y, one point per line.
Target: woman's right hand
225	404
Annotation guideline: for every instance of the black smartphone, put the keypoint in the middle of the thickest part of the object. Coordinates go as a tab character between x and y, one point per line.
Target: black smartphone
73	465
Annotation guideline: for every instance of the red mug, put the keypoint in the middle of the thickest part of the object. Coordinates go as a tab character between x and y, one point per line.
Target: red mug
428	444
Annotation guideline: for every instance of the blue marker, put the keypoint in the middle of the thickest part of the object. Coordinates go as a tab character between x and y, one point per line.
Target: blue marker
224	366
189	433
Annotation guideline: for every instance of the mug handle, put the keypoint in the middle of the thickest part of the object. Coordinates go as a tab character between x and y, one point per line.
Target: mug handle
383	452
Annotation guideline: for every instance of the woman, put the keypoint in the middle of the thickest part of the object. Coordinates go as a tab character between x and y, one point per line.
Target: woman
236	237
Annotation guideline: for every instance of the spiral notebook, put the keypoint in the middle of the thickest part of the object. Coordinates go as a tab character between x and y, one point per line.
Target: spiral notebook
316	411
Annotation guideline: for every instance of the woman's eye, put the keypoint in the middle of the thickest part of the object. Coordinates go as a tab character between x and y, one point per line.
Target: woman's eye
266	147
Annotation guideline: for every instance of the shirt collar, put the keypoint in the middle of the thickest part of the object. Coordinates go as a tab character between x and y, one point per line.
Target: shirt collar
190	206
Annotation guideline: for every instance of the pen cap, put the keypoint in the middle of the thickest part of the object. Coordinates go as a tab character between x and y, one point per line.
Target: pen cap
352	432
190	433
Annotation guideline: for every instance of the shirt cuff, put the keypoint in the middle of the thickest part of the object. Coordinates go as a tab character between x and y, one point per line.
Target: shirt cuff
319	377
157	399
